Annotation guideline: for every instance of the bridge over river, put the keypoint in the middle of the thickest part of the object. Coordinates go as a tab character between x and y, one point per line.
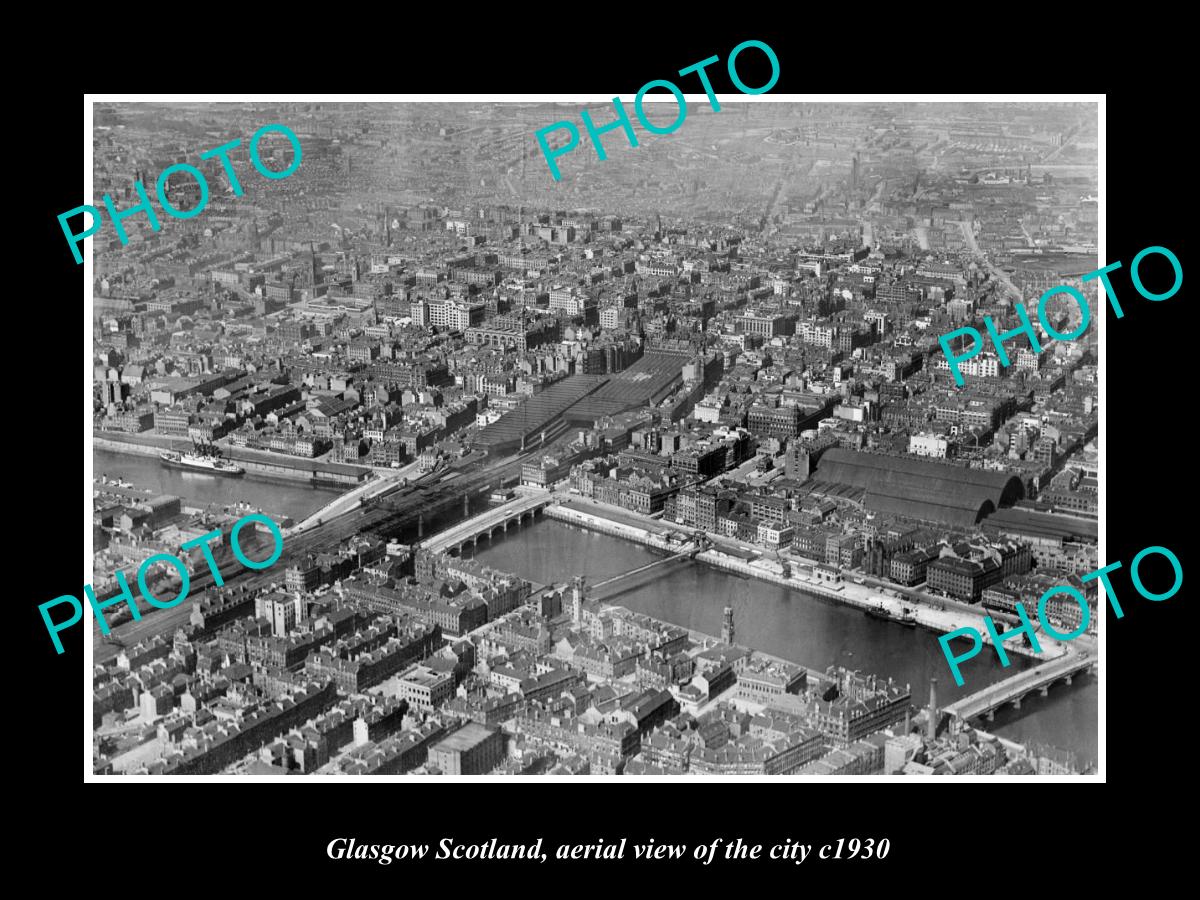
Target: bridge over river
687	553
484	525
986	701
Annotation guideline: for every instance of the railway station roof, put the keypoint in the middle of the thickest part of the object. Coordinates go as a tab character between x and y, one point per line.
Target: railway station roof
921	488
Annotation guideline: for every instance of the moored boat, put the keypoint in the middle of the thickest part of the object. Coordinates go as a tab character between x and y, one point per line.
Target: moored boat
202	462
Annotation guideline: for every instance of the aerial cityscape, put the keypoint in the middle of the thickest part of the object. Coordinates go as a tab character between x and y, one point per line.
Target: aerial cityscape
656	469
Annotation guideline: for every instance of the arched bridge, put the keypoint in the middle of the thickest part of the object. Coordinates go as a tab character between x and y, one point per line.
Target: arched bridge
1012	689
484	525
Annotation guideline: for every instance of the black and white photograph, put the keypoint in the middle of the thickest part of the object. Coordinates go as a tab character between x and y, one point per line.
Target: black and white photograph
663	438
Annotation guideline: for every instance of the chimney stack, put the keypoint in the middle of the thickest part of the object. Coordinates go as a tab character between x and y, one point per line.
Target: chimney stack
577	597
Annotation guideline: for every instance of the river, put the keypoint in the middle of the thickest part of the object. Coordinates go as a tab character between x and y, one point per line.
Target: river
280	498
793	625
787	623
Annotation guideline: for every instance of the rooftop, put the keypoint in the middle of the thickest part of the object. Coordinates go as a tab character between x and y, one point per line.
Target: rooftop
466	738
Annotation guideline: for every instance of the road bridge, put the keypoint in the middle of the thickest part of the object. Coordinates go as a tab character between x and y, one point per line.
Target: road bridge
514	512
986	701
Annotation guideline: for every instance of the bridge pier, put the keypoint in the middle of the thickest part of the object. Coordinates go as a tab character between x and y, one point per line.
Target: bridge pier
1069	679
991	715
1045	690
1016	702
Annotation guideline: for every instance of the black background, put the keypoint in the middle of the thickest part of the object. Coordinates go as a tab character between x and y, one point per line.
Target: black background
1027	832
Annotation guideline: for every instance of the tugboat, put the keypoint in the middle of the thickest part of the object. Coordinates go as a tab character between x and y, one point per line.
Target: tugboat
205	458
908	618
878	612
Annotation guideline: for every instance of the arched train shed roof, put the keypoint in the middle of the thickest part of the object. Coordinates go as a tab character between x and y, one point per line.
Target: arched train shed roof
921	488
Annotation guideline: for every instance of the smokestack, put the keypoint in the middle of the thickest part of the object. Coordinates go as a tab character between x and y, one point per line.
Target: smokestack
933	710
577	601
